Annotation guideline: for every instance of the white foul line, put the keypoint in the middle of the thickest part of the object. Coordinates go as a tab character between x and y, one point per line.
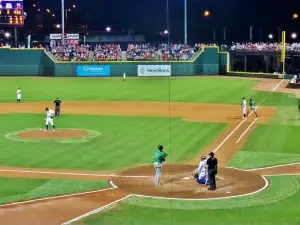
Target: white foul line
229	135
95	211
221	144
248	128
277	85
54	197
72	174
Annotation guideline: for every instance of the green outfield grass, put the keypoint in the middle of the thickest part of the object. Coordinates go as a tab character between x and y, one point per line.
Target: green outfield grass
269	145
124	142
278	205
147	89
18	189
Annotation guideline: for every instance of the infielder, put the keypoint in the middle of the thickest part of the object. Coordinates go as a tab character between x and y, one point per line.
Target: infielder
124	76
19	94
159	158
252	107
201	175
244	108
49	118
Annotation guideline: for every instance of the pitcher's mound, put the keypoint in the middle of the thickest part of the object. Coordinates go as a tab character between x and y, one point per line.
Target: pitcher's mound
50	134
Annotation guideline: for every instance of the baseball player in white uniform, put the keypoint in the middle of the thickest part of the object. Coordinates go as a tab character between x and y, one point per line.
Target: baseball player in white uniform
49	118
201	172
19	95
244	108
124	76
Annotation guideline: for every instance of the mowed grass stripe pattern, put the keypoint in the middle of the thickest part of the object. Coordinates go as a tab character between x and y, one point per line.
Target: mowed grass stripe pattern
124	142
19	189
207	90
275	206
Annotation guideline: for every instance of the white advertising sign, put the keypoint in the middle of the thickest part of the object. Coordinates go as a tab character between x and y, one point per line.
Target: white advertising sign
67	36
154	70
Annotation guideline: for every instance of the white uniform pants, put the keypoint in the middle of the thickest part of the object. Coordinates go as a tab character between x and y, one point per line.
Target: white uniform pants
49	120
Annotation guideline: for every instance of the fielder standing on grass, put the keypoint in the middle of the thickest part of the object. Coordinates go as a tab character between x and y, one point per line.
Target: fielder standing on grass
57	103
124	76
159	158
19	94
49	118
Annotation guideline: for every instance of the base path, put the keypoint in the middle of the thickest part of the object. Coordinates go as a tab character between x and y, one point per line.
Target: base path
197	112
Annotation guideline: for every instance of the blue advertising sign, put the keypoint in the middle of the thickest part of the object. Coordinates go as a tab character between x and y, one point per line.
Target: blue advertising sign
93	71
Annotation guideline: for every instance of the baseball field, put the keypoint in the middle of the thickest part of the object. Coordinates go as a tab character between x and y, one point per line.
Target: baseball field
96	167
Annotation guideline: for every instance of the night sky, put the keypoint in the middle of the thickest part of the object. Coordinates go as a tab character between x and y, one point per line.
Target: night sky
149	17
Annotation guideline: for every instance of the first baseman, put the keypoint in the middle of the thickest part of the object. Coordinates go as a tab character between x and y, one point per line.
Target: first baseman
244	108
49	118
159	158
19	94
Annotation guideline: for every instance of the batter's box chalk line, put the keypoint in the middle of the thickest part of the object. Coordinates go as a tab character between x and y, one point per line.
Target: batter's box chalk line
91	135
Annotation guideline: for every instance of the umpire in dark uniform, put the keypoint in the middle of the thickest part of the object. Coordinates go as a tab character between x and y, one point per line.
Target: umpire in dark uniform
57	103
212	169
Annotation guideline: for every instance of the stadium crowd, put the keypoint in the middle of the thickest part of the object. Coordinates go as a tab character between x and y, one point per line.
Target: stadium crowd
144	52
263	47
111	52
76	52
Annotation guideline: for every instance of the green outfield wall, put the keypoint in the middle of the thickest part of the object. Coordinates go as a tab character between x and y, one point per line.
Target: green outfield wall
36	62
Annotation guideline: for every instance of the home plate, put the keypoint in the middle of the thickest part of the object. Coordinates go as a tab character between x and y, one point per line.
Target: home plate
185	178
228	192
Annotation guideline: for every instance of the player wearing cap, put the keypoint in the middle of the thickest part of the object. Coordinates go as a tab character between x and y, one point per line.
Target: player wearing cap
159	158
201	172
49	118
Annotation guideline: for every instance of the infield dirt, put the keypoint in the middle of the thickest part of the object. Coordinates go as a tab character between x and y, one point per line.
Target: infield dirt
177	180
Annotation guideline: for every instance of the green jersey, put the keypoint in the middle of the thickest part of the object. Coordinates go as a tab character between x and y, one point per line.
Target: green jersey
159	156
252	103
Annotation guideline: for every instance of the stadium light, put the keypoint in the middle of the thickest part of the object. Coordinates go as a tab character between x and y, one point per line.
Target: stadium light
166	32
270	36
108	29
293	35
206	13
295	16
7	35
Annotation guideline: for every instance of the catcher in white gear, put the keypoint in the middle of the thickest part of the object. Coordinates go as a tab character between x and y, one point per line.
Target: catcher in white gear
201	175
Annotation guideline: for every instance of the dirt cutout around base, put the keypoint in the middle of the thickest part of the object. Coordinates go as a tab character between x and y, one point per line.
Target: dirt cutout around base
178	182
51	134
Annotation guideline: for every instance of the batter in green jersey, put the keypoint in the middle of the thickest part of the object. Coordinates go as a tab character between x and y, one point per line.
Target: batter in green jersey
159	158
252	107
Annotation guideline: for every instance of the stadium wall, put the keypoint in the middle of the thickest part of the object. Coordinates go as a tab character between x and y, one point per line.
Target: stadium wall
36	62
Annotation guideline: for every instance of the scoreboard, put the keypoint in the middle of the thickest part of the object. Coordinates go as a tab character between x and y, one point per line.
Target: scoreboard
11	12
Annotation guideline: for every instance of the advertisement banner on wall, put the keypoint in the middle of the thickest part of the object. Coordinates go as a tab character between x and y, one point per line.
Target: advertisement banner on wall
67	36
154	70
93	71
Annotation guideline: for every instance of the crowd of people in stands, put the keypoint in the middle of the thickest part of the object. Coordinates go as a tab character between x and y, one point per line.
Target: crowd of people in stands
264	47
111	52
164	52
148	52
77	52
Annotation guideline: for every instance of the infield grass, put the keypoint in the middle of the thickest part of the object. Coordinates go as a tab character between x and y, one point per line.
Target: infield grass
125	141
276	206
206	90
19	189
